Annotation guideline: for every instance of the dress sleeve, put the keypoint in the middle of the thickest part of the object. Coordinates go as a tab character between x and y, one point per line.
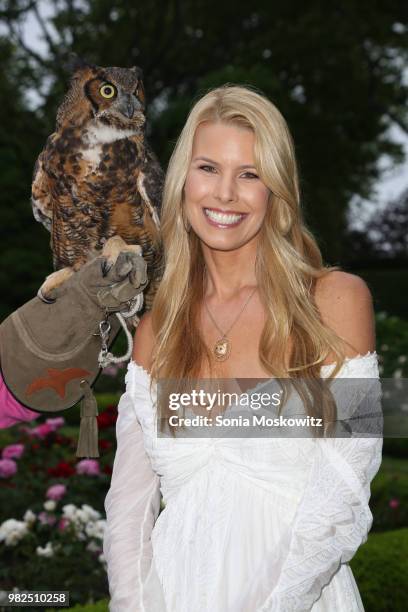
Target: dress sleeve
331	522
132	506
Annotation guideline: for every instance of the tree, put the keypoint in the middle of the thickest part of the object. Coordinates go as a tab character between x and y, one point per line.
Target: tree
25	256
388	229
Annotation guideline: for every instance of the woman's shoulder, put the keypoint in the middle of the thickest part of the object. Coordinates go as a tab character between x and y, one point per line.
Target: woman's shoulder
143	342
342	286
345	305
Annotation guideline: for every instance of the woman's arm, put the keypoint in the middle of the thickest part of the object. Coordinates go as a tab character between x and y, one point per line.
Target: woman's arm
144	342
132	503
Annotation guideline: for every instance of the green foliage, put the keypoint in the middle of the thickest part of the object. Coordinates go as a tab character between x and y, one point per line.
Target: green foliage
25	254
392	343
389	495
383	282
99	606
396	447
380	568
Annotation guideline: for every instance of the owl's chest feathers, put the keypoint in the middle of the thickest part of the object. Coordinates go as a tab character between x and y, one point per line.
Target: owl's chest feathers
95	159
109	150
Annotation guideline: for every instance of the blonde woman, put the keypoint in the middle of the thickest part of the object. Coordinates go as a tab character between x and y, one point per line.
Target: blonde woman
265	526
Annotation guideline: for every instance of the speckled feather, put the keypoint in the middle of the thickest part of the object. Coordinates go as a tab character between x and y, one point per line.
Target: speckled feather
97	177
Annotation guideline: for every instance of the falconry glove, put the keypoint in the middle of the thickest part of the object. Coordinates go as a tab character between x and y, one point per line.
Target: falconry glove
51	353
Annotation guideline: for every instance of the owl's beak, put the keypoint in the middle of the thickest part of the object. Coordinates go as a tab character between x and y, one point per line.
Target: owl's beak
128	106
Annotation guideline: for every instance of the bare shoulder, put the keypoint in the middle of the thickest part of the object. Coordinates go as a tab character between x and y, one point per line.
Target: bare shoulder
143	342
346	306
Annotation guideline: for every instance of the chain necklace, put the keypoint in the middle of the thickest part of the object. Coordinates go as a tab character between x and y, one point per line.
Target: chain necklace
222	348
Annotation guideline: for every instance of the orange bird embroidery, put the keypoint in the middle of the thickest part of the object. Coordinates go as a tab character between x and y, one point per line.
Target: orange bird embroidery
57	380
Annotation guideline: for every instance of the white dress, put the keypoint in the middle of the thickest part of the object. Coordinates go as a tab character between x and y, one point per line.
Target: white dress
249	525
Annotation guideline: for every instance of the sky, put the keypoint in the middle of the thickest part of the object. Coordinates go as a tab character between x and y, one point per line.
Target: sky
394	178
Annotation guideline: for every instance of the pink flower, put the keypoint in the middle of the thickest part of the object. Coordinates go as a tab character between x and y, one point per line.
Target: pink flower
394	503
111	370
56	491
47	519
8	468
55	422
42	431
88	466
13	451
62	523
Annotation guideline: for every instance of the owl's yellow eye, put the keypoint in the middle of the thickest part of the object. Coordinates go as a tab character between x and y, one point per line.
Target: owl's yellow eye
107	90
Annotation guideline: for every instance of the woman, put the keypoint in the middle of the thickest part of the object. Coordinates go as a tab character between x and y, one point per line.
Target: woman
255	525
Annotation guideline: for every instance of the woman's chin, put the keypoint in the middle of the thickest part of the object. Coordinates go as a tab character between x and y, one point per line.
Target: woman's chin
224	243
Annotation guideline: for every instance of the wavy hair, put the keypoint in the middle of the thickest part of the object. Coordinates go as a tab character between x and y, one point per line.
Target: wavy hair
287	265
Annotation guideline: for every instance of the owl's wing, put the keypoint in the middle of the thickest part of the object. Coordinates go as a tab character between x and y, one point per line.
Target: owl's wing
41	200
150	186
150	183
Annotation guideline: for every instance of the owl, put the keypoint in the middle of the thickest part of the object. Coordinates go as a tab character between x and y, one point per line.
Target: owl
97	178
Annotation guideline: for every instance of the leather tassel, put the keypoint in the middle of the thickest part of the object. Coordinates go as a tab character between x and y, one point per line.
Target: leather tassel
88	429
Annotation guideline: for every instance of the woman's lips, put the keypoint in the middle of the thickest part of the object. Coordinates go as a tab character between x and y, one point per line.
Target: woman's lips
222	219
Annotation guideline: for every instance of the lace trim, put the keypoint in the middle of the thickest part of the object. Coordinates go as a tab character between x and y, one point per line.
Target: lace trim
355	358
139	367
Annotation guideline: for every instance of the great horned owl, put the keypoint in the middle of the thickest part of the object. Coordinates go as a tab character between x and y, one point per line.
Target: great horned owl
96	177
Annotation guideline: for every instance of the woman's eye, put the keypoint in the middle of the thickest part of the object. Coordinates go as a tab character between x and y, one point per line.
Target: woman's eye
207	168
212	169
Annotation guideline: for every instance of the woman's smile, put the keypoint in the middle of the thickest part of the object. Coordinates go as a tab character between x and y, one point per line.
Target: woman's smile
223	219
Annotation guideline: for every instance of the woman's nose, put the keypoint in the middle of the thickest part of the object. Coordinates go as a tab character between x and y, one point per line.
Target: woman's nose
225	189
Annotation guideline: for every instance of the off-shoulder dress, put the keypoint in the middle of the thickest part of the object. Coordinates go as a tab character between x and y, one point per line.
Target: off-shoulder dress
255	525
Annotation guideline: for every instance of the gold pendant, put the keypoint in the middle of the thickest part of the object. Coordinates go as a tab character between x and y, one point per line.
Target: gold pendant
222	349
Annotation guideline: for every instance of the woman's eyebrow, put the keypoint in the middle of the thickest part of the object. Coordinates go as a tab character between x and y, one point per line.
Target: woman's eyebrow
211	161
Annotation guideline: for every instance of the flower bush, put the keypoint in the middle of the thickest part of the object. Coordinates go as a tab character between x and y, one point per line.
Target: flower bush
52	515
59	548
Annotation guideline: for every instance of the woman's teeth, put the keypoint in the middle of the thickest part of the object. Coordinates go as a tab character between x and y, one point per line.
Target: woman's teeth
223	218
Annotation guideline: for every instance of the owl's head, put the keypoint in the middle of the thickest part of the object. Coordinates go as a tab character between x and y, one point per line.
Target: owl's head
113	96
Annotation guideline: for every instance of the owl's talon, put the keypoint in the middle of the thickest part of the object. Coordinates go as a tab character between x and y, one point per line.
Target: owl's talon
105	267
53	285
45	299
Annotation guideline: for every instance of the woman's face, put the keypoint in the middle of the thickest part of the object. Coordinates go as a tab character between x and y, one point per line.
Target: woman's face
225	200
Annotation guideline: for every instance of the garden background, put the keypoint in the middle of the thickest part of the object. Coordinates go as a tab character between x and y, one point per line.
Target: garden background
338	72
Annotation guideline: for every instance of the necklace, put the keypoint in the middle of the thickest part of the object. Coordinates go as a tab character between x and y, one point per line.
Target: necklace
222	348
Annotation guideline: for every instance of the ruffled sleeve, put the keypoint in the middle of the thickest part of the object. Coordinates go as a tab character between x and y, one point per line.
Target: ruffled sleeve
132	506
332	519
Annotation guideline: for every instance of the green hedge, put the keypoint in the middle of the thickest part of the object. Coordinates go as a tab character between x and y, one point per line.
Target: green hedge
99	606
380	568
389	495
389	288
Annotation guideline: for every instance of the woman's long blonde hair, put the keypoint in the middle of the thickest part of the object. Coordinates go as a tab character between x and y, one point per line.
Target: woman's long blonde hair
288	259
